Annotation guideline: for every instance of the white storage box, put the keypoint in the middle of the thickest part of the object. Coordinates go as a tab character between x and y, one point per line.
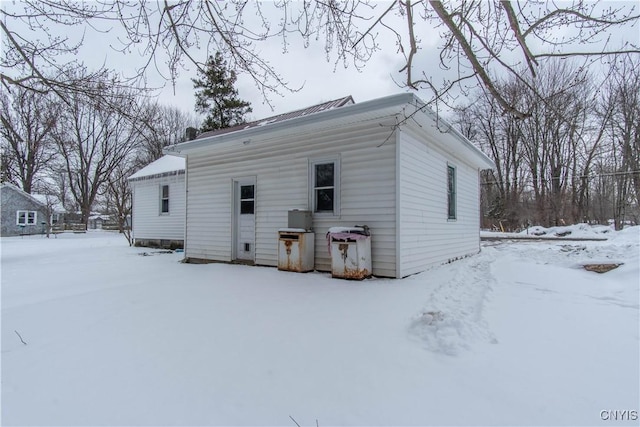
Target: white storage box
350	252
296	250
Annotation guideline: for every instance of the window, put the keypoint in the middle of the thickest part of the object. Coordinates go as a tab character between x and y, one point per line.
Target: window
247	199
164	199
451	192
325	179
26	217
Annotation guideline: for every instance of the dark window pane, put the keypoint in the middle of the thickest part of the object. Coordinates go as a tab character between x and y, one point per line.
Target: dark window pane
165	206
324	175
165	191
246	192
451	192
451	179
324	200
246	207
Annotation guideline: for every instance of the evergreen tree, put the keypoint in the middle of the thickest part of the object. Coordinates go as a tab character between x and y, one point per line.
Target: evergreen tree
217	97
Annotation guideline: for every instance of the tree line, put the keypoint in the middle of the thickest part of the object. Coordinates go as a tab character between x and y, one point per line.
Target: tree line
81	148
564	140
575	157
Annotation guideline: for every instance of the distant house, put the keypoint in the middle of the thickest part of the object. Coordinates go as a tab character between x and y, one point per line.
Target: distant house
158	217
57	212
21	212
389	163
98	221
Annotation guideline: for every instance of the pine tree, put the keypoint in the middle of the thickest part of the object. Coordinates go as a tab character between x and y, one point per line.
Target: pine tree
217	97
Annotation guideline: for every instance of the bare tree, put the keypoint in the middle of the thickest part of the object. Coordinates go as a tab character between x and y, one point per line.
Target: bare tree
547	165
27	121
622	98
551	135
160	126
500	136
479	41
39	55
93	141
119	198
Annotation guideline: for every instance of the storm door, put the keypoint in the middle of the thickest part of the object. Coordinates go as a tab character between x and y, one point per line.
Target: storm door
244	234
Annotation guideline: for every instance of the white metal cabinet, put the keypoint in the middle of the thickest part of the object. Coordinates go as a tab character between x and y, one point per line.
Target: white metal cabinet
296	250
350	252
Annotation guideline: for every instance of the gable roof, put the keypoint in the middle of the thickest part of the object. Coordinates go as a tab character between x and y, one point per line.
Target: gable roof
165	165
406	107
336	103
8	186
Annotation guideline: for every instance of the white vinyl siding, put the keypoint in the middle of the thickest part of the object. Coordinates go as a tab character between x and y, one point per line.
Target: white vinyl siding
427	236
366	190
148	220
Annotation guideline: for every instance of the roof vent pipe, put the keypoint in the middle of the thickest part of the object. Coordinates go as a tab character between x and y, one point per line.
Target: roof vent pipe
190	133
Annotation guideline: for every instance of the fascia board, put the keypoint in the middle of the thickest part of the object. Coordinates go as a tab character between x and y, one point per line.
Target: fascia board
184	148
438	124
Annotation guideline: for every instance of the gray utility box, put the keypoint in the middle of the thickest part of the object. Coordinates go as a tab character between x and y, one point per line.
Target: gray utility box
300	219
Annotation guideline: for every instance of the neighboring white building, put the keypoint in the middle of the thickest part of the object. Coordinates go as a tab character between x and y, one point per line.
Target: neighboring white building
386	163
158	196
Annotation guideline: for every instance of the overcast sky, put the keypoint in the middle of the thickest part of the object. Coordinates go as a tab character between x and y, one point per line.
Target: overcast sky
305	68
308	70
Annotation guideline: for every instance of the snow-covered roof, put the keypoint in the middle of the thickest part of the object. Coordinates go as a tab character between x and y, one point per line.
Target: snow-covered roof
100	216
24	193
49	200
406	105
164	165
336	103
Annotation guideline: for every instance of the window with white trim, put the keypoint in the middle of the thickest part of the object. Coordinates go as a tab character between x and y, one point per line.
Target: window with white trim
451	192
164	199
26	217
325	186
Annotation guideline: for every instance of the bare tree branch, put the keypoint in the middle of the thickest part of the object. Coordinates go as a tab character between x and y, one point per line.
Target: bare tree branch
477	67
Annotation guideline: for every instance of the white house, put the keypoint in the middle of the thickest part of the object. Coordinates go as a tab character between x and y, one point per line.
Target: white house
158	197
389	163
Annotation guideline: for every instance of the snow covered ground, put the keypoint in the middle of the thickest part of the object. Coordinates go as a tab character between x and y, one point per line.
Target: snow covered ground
520	334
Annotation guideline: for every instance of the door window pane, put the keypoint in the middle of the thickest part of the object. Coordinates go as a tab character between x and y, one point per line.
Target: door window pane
246	206
246	192
247	199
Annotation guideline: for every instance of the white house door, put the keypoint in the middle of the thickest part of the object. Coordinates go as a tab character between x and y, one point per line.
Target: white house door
244	196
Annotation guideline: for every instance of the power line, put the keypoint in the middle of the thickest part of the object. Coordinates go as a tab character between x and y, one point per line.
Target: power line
591	176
